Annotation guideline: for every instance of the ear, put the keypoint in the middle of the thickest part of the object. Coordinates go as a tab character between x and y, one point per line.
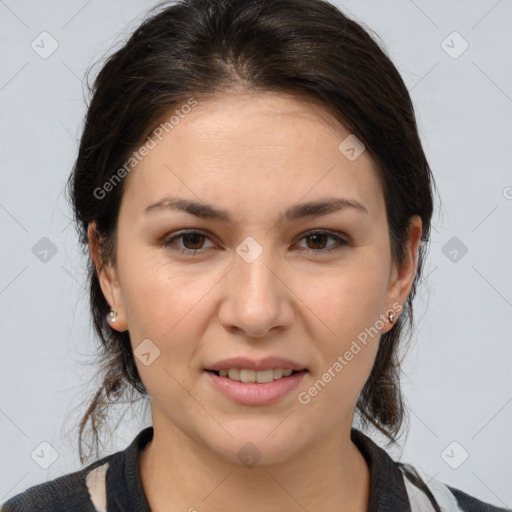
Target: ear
402	277
108	279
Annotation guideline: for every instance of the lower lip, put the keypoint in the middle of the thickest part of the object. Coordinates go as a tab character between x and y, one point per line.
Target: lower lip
252	393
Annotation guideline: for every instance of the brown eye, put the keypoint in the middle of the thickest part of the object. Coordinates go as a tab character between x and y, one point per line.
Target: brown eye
192	242
316	241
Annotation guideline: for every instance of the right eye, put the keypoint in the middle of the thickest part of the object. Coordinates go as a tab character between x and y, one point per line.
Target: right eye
189	238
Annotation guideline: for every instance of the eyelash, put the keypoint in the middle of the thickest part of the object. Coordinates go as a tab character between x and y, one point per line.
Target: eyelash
169	242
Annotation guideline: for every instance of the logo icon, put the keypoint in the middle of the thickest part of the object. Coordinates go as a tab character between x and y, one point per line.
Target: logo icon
454	249
44	250
351	147
44	45
146	352
454	45
249	250
249	454
44	455
454	455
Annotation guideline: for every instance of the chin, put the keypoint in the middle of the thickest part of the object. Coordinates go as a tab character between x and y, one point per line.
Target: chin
251	445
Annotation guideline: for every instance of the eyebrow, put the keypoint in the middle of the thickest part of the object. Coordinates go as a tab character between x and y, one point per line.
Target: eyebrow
295	212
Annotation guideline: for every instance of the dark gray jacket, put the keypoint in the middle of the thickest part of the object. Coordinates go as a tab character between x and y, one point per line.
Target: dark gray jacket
118	476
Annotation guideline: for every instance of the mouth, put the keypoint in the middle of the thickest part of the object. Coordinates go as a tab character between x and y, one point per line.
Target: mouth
255	388
256	376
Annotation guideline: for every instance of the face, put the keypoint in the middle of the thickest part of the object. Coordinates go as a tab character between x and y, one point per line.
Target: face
257	282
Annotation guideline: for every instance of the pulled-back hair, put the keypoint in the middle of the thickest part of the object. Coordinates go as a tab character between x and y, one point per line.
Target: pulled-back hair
196	48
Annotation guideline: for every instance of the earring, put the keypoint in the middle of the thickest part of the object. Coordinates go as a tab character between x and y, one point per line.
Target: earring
391	317
111	317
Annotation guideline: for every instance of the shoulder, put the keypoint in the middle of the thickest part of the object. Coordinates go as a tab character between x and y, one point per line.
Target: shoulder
396	485
472	504
447	498
68	492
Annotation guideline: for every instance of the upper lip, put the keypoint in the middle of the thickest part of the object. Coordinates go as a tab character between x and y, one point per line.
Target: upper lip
251	364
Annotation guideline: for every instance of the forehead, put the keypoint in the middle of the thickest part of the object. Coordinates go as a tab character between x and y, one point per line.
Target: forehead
252	145
257	120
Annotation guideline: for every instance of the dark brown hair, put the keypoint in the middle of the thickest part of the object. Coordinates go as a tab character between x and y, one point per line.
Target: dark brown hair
197	48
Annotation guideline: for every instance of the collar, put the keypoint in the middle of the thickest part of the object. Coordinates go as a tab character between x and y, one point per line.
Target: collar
387	487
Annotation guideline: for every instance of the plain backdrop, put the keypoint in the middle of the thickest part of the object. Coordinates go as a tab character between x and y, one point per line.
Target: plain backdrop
454	57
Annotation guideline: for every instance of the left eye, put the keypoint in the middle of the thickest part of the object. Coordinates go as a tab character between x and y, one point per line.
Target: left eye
197	238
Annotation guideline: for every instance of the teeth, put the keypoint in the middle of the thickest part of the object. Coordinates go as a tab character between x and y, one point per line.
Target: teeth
248	375
234	374
264	376
261	376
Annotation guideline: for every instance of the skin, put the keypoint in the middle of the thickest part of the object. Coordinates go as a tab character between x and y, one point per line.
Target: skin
254	155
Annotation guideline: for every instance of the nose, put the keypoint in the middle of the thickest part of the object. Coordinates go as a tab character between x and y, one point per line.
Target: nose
256	297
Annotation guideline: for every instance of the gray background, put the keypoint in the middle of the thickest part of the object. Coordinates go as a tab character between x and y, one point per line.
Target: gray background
457	381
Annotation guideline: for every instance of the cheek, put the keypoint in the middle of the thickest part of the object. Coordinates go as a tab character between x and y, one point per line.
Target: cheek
169	308
158	295
346	300
330	397
167	305
348	304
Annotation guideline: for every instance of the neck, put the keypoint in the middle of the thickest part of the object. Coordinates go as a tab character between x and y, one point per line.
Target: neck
179	474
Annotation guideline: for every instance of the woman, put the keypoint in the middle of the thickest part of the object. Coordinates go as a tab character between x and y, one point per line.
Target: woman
256	202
